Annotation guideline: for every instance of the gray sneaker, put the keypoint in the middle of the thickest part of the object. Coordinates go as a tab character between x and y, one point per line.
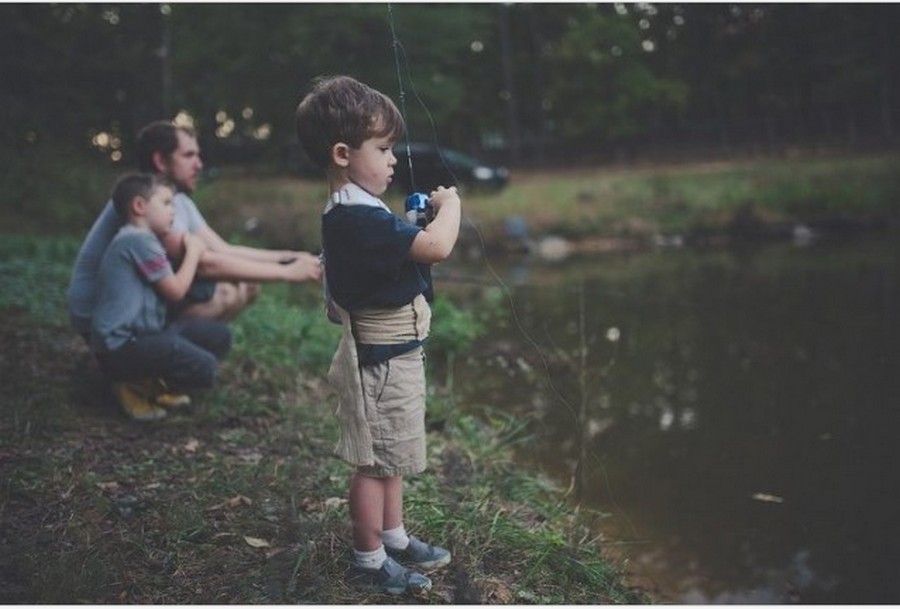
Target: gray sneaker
390	577
420	554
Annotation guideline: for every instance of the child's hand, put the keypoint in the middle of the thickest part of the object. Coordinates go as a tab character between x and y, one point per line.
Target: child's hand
193	243
174	244
443	196
434	243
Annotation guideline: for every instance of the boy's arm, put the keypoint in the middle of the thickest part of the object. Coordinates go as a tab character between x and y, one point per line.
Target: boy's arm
435	242
174	287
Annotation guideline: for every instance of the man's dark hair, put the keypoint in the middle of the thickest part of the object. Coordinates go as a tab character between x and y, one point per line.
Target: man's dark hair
133	185
158	136
342	109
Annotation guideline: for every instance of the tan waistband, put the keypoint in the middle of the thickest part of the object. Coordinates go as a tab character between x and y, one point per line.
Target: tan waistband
392	326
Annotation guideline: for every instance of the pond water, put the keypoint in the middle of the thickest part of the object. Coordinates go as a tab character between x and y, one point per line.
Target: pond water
735	414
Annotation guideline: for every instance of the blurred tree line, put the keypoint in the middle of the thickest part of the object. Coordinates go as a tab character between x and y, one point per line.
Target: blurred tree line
522	84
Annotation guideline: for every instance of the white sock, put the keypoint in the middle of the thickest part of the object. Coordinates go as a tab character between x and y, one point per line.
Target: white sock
370	560
396	539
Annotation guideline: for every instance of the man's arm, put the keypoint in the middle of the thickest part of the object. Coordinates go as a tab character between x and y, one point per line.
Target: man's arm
224	265
218	244
221	260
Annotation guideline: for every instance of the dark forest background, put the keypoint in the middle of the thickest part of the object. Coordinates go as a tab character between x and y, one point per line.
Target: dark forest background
521	84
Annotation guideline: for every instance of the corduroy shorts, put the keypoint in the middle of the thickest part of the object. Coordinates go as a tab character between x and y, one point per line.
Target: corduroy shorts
394	394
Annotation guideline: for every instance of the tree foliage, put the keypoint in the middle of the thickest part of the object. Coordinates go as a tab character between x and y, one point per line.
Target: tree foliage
519	82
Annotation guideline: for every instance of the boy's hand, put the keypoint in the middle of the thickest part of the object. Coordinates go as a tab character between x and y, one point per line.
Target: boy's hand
443	196
173	243
435	241
194	243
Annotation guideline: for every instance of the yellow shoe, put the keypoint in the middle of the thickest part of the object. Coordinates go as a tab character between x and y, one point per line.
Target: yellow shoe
136	401
173	400
169	399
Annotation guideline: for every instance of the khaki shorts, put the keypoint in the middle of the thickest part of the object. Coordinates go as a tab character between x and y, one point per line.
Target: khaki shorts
394	394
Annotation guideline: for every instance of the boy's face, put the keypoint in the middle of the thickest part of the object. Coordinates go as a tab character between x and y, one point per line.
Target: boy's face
184	165
371	165
159	211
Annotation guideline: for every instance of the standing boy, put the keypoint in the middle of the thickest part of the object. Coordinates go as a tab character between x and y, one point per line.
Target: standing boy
129	331
377	269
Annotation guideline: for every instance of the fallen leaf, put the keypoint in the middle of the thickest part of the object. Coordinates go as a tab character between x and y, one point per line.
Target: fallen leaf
256	542
252	457
768	498
334	502
234	502
109	487
221	535
274	552
191	445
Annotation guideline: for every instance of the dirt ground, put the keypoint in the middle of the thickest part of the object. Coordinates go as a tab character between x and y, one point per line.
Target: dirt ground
223	504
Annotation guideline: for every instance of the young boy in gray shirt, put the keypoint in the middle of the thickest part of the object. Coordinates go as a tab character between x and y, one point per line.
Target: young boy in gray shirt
130	332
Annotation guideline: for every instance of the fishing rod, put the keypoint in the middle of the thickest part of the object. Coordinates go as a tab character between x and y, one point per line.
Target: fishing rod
397	48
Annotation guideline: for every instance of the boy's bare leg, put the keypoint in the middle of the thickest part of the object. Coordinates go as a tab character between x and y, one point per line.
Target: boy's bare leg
227	302
367	507
393	503
372	500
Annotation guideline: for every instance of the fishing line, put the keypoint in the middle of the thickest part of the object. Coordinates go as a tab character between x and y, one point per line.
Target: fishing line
402	94
398	47
398	51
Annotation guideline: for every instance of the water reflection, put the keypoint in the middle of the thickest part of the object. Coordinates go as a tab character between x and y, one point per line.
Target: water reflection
743	440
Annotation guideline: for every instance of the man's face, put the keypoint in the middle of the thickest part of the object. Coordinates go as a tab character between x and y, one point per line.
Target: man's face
183	167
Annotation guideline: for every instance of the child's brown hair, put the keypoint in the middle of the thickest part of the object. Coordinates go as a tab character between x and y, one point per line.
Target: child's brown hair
133	185
342	109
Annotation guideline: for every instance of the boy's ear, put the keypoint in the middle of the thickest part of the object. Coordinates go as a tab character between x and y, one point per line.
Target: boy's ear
138	206
340	154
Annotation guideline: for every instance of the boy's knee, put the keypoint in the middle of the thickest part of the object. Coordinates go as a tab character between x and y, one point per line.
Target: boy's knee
227	302
233	298
249	292
222	342
205	371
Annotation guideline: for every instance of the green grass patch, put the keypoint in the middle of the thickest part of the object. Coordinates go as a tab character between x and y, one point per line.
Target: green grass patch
240	500
678	199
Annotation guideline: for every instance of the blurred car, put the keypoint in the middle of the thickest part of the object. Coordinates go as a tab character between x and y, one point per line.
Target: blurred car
433	167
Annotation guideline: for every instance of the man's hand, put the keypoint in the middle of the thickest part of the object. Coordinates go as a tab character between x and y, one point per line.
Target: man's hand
304	267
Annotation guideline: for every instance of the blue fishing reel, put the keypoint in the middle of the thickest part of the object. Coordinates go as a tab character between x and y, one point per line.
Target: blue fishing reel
418	210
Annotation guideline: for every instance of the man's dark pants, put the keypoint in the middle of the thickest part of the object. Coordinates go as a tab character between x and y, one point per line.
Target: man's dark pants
185	355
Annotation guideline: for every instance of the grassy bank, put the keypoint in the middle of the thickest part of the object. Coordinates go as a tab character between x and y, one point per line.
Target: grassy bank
635	202
239	499
639	203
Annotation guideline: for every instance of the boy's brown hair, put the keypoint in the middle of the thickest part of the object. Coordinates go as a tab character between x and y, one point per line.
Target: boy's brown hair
133	185
342	109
